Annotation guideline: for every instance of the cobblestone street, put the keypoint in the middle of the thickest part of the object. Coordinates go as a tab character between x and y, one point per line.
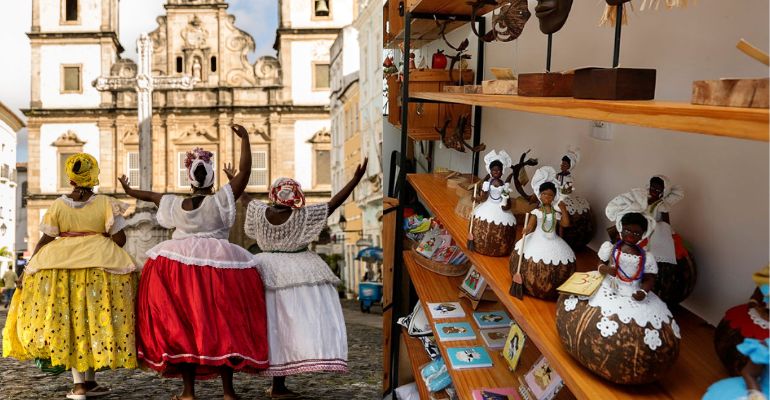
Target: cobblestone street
364	381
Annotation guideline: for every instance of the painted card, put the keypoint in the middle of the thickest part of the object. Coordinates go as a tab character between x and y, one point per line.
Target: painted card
449	331
468	357
446	310
514	346
582	283
496	394
543	382
492	319
473	283
495	337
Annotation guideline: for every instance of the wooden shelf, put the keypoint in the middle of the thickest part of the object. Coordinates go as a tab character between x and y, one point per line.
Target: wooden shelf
696	368
451	7
434	288
417	357
741	123
424	31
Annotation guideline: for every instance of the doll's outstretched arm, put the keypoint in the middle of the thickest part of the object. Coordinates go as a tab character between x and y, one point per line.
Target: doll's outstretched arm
343	194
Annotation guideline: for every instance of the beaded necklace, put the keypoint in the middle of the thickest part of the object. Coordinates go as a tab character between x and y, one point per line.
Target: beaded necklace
545	219
640	268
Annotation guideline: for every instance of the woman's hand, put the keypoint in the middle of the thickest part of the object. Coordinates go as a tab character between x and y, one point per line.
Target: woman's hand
125	183
639	295
361	169
230	171
239	130
563	207
605	269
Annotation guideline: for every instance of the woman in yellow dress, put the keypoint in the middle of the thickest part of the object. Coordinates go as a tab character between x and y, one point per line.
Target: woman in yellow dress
75	306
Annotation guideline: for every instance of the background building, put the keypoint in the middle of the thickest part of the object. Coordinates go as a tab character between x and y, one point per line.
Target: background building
9	125
282	101
21	210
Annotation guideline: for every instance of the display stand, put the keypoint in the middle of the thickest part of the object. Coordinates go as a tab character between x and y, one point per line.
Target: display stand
546	84
488	295
615	83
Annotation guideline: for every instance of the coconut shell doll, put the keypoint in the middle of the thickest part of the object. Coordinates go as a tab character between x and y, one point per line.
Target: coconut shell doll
623	332
581	226
493	225
754	383
746	321
547	259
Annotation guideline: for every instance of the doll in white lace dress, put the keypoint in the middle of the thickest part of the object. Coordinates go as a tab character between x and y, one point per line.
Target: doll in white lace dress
623	332
581	227
493	223
548	259
306	329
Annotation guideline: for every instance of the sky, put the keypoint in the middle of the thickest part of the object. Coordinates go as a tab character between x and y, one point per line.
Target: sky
257	17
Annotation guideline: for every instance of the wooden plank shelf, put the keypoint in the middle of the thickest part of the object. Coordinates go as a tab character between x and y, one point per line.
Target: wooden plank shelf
424	31
433	288
417	358
696	368
735	122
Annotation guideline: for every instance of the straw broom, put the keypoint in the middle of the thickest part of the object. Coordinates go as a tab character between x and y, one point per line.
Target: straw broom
517	287
471	245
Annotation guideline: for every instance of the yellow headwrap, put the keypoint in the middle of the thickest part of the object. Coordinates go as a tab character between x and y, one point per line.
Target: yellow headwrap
87	175
762	276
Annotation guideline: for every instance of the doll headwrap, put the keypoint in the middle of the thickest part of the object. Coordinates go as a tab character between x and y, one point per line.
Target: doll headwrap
543	175
634	201
573	154
762	279
199	157
671	195
287	192
502	156
87	174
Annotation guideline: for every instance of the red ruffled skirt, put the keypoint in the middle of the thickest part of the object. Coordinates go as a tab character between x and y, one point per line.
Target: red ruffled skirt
211	317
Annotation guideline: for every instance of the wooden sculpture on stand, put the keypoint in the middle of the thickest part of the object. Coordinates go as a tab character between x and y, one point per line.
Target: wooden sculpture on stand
507	23
547	259
493	226
455	140
622	332
552	15
581	222
525	202
746	321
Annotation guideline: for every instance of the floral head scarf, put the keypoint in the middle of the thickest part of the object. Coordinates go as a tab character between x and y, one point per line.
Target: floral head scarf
287	192
87	174
200	157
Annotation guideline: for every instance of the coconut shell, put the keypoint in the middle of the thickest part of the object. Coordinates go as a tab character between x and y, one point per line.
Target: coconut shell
675	282
580	231
622	358
725	340
494	240
540	279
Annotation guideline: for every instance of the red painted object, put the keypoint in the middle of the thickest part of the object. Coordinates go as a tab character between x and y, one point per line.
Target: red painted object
439	60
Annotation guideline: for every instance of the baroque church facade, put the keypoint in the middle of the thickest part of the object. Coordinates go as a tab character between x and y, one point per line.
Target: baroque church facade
282	101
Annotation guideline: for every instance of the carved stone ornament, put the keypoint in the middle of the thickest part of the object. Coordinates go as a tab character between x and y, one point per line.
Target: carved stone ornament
130	136
123	68
322	136
195	133
195	35
143	232
68	138
259	131
241	72
268	71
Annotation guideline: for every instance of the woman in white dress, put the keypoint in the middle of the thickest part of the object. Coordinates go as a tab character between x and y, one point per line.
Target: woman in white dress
493	223
623	332
306	329
548	259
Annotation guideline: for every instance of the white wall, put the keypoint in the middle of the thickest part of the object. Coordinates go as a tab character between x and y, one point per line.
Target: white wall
8	187
303	54
49	160
302	10
725	213
303	151
51	59
90	13
21	214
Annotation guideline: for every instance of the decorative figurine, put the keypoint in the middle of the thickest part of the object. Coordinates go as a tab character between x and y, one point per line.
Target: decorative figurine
623	332
507	23
439	60
547	259
493	225
581	221
524	203
753	384
746	321
412	65
455	140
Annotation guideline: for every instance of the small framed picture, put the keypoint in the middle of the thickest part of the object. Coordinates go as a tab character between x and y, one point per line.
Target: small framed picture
514	346
473	283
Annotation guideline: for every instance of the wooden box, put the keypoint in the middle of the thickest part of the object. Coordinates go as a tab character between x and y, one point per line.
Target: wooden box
749	93
425	117
545	85
614	84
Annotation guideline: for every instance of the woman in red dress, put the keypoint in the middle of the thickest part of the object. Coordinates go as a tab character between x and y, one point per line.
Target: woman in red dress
201	305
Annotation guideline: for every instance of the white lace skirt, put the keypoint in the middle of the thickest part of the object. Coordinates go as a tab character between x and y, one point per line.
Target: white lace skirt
306	330
548	248
662	243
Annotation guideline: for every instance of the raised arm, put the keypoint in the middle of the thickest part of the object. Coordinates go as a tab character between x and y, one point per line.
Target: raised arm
241	179
139	194
343	194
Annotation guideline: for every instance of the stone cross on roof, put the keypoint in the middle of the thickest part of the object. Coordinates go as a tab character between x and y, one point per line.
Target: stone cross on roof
144	83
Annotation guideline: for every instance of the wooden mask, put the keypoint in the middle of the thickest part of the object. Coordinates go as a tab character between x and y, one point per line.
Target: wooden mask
553	14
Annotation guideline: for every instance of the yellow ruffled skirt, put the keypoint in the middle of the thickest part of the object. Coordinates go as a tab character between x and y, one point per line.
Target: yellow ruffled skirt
77	318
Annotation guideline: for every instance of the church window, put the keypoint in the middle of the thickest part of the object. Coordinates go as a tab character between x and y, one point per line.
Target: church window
132	168
71	79
322	167
320	76
179	65
321	8
70	11
259	168
214	64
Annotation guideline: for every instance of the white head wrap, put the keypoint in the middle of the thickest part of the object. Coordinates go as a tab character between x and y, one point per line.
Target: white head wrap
634	201
200	157
672	193
543	175
502	156
573	153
